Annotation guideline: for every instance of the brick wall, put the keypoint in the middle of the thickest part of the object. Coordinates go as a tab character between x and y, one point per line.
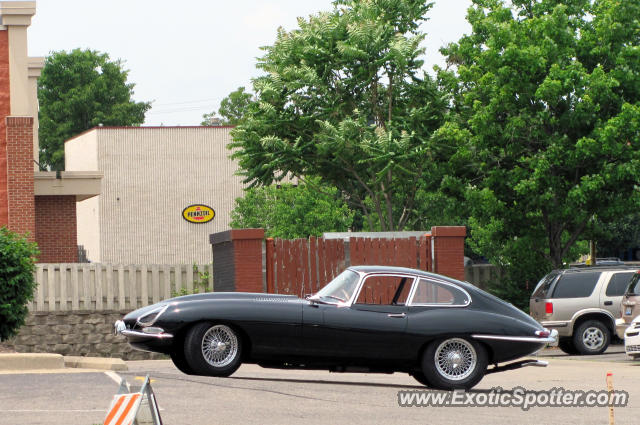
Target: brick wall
237	260
20	190
56	229
5	110
449	250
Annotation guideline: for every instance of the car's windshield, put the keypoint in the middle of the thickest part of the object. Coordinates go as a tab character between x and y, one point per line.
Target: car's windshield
634	286
542	288
340	289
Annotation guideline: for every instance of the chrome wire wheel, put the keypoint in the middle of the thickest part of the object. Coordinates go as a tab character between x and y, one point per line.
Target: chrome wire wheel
219	346
593	338
455	359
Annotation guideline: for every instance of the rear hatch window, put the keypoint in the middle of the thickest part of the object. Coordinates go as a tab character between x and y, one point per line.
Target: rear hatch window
634	286
575	285
543	287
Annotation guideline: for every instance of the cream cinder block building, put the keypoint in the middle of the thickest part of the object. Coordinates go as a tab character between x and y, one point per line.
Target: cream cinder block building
151	174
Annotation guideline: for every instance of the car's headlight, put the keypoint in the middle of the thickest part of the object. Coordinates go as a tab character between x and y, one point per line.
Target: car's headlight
150	317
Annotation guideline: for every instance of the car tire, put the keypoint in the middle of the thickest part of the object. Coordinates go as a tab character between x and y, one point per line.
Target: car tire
454	363
419	376
180	361
591	337
213	349
565	343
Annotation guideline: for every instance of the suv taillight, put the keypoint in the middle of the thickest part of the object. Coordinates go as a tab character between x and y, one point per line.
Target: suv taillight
548	308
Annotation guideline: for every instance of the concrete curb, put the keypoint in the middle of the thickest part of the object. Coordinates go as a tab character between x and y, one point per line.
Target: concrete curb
101	363
41	361
29	361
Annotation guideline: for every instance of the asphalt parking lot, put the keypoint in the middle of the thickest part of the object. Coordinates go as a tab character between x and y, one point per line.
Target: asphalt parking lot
263	396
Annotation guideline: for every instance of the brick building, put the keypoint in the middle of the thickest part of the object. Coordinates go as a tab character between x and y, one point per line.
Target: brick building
39	204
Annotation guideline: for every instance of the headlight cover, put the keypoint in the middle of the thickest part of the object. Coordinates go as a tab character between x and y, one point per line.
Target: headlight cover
150	317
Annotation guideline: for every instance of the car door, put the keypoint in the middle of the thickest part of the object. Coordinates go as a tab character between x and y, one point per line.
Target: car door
611	293
372	327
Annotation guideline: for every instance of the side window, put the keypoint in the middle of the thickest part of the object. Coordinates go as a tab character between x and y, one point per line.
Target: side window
618	284
385	290
434	292
576	285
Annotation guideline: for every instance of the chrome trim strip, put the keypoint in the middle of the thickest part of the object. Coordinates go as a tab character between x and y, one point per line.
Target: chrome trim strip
561	324
536	363
416	282
516	338
128	332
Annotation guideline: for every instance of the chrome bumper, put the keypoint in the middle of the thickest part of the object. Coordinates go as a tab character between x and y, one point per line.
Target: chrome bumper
552	339
121	329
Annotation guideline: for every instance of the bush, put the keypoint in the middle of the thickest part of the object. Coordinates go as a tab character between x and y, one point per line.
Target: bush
17	283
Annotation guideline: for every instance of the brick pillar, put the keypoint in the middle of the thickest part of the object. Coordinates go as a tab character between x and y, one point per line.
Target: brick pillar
56	232
237	260
5	110
20	189
448	250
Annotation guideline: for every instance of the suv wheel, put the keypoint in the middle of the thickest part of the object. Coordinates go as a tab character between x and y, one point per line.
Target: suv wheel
591	337
565	343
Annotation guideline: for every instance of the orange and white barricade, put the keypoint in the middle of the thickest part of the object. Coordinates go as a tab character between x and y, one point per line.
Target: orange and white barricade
138	408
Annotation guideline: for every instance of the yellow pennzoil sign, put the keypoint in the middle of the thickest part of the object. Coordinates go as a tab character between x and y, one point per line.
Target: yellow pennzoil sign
198	213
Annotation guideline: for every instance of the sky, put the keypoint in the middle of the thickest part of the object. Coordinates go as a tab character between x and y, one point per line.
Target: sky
185	57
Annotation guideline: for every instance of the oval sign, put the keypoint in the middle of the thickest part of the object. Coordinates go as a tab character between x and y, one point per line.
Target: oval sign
198	213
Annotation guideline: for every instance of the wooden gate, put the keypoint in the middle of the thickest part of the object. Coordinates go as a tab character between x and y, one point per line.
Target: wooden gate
303	266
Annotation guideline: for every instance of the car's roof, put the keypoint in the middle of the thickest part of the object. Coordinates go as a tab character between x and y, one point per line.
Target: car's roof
403	270
621	267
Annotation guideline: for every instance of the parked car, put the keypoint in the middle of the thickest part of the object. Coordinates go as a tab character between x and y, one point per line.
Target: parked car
630	306
632	339
582	304
369	318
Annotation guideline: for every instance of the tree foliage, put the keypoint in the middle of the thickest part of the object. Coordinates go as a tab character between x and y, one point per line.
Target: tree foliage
344	98
17	283
233	108
79	90
548	127
292	211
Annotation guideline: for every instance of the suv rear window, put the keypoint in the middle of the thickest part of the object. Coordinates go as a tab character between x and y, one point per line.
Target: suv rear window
575	285
618	284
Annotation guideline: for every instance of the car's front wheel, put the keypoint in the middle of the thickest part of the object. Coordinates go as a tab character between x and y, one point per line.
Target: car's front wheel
591	337
213	350
454	363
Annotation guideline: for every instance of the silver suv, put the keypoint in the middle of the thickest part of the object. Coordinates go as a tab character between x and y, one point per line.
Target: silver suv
582	304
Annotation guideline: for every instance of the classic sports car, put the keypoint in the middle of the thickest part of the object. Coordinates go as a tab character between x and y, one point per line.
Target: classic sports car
441	331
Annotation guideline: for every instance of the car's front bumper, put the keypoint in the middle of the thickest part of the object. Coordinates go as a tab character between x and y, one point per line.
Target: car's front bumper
148	339
632	340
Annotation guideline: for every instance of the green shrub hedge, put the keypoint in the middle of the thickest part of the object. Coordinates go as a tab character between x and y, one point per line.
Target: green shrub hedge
17	283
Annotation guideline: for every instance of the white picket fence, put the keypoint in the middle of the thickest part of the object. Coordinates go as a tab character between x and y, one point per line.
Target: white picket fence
99	287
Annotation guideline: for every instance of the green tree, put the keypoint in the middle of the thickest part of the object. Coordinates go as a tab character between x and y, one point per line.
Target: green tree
233	108
547	95
79	90
292	211
17	283
344	98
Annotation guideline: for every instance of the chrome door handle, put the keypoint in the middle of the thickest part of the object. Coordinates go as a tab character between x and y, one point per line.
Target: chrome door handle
400	315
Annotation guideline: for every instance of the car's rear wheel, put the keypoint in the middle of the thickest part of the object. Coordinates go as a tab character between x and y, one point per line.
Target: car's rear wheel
419	376
213	350
454	363
565	343
591	337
